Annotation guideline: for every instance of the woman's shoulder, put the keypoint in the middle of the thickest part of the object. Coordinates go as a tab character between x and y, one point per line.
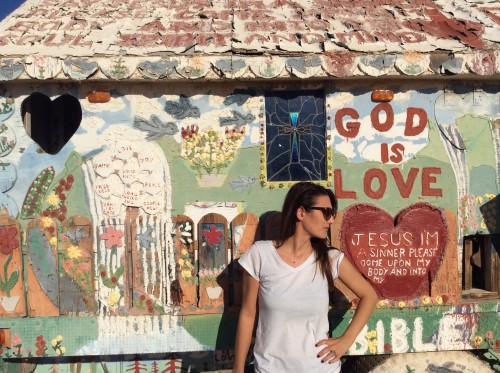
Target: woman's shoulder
262	245
334	253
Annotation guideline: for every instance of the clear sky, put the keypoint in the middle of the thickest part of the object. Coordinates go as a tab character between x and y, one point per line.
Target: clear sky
8	6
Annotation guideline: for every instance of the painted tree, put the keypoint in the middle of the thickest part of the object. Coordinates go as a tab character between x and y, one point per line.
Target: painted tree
136	367
173	365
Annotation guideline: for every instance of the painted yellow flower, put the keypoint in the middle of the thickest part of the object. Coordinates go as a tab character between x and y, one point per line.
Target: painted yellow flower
53	199
184	252
371	334
53	241
478	340
74	252
401	304
373	349
479	199
59	338
483	225
439	299
113	299
382	303
186	273
54	342
58	351
63	349
181	262
46	222
426	300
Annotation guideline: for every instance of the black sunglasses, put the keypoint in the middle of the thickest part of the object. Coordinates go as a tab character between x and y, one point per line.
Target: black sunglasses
327	211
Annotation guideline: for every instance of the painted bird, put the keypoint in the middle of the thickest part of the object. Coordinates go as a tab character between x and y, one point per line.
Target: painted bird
155	127
238	119
182	109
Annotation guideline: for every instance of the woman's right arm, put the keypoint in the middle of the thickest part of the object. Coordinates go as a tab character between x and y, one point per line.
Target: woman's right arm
246	321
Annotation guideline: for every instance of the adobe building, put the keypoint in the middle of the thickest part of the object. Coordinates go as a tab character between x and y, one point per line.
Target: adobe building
145	145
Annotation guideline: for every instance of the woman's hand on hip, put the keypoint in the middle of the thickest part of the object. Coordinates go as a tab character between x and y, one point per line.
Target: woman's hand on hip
333	349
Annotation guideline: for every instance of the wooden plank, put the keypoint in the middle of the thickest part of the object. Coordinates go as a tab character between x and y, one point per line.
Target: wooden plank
466	267
111	252
213	258
491	265
446	281
42	267
134	276
76	281
495	265
244	232
12	297
185	292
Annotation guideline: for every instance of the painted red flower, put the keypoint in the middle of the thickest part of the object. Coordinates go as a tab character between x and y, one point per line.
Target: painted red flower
8	240
213	235
112	236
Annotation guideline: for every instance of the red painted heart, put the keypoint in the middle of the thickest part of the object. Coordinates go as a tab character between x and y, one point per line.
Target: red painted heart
399	257
51	124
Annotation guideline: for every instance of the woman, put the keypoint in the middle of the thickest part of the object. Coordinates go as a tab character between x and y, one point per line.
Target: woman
291	278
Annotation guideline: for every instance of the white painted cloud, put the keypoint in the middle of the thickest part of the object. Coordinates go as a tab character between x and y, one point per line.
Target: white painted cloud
340	100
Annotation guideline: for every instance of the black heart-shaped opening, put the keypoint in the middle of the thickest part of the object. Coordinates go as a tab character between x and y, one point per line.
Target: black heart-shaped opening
51	124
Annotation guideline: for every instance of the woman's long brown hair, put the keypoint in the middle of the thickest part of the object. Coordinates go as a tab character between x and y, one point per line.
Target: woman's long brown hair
305	194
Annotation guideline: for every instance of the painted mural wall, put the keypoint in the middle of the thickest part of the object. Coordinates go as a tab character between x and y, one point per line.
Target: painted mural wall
129	218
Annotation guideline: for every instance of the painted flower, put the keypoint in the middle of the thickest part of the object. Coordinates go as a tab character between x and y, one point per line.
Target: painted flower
426	300
489	335
8	240
372	347
16	340
439	300
213	235
382	303
74	252
113	298
483	225
401	304
371	334
46	222
53	199
53	241
477	341
113	237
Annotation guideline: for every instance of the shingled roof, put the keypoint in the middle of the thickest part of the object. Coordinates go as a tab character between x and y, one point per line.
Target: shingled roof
228	39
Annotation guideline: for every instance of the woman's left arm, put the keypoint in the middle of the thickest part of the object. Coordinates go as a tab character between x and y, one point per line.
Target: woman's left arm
335	348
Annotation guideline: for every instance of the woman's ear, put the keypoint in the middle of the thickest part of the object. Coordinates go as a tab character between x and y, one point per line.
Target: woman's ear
301	212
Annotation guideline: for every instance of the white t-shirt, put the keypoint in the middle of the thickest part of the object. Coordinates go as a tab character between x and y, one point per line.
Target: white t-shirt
293	311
